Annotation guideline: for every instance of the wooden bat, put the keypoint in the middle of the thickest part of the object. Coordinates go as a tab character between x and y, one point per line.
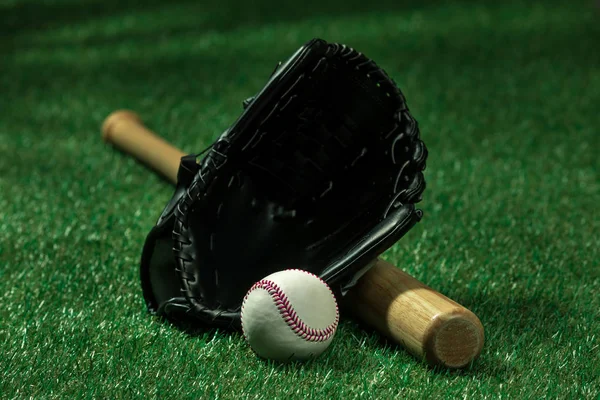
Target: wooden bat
428	324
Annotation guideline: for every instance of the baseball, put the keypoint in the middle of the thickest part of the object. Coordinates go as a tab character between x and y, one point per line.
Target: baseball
290	315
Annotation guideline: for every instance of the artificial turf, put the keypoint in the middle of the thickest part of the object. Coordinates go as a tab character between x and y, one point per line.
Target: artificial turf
507	95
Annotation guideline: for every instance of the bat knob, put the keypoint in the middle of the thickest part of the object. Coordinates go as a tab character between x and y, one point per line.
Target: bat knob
113	119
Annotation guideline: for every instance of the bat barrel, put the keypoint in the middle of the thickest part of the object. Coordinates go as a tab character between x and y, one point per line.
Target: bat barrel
428	324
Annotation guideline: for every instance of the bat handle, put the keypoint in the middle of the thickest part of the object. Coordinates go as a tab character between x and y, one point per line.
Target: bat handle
124	130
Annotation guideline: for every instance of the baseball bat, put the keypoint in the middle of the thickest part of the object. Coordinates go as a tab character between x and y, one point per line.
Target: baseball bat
426	323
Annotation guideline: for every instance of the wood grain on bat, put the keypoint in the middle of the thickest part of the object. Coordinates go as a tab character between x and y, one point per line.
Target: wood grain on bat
425	322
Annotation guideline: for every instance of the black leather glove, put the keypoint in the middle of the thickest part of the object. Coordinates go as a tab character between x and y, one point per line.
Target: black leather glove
320	172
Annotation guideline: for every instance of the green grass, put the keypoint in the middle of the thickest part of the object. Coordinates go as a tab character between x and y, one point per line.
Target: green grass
507	96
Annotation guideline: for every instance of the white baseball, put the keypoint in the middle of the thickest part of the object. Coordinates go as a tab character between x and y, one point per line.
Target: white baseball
289	315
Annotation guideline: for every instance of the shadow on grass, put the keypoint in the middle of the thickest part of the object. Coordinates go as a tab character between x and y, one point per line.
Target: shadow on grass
26	16
179	18
197	72
448	50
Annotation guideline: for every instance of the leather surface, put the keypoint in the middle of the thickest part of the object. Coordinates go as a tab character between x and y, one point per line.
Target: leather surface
320	172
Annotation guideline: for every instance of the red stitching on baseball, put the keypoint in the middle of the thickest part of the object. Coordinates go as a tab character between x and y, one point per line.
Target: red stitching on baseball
289	314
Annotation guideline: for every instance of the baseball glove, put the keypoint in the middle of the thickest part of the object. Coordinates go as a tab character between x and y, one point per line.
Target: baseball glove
320	172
